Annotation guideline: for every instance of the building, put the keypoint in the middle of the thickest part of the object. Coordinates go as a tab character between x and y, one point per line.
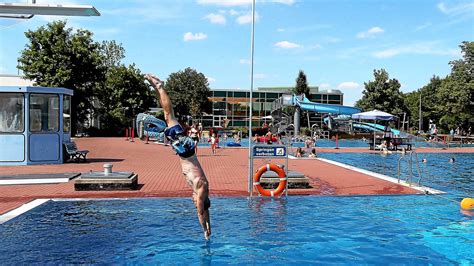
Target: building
232	106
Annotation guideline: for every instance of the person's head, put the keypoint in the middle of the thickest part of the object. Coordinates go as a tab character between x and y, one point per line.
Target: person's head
313	151
452	160
424	160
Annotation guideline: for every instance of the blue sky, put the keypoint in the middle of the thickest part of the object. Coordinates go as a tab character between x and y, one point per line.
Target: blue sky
337	43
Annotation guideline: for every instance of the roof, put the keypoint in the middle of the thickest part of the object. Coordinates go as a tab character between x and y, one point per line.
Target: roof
36	89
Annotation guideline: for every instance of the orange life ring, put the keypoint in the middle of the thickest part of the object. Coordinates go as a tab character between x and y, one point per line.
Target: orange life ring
281	186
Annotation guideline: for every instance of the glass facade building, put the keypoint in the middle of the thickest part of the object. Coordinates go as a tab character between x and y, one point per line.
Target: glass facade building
232	106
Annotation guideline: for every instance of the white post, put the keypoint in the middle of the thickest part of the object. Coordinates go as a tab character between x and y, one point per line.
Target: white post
250	178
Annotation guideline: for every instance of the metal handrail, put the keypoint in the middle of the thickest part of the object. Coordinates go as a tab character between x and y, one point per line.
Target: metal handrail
410	167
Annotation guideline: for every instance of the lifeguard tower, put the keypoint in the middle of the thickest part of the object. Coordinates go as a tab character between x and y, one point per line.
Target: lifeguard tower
34	123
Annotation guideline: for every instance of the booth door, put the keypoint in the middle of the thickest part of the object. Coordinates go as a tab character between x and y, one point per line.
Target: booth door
44	126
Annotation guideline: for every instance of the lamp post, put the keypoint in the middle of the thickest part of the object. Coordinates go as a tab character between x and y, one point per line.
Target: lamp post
250	179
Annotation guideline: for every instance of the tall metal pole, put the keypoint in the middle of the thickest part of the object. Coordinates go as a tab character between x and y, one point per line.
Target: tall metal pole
420	123
250	177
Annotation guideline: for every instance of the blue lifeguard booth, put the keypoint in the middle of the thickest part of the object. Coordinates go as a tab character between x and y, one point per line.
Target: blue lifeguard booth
34	123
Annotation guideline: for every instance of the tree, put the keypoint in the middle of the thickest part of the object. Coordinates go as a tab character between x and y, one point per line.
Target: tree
57	57
124	95
456	93
301	85
112	54
382	94
189	91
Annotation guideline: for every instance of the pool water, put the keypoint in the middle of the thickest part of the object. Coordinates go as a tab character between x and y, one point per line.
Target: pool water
456	178
343	143
373	230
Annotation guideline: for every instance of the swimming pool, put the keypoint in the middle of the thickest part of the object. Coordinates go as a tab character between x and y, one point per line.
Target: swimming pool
297	230
373	230
456	178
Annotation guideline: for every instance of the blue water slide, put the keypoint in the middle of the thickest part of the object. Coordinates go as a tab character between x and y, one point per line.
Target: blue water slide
373	127
307	105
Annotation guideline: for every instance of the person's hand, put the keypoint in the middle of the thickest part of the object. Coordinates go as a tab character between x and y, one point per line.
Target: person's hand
154	81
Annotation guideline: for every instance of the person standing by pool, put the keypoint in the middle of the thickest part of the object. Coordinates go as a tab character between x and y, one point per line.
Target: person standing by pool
194	134
184	147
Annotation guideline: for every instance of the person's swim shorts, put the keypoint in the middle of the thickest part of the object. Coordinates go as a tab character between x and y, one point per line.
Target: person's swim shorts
182	144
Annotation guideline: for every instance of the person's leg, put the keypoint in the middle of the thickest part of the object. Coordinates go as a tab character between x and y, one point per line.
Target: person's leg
167	106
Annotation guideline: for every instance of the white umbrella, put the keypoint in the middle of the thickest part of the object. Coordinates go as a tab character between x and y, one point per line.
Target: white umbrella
374	115
266	117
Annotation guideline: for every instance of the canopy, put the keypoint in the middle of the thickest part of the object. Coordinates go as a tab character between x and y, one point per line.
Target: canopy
373	115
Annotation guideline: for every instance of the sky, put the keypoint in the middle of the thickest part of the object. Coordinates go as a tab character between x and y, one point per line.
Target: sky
338	43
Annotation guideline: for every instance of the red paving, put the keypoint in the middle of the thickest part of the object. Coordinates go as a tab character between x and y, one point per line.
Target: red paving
160	175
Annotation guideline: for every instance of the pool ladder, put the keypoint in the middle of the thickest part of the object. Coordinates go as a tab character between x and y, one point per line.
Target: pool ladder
409	158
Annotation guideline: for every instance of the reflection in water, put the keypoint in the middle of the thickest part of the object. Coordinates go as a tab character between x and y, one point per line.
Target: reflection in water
268	215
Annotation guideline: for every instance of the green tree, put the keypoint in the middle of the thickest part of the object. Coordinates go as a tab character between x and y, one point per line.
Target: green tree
58	57
456	93
382	94
189	91
301	84
124	95
112	54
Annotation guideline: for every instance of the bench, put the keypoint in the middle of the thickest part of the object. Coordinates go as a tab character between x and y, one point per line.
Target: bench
73	153
401	142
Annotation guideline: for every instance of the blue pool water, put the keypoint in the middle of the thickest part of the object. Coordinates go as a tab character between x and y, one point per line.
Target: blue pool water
297	230
347	143
456	178
373	230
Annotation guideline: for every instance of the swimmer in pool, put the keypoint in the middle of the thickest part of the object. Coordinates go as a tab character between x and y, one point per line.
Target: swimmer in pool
184	147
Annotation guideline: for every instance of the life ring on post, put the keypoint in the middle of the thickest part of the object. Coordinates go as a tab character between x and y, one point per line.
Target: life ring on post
281	186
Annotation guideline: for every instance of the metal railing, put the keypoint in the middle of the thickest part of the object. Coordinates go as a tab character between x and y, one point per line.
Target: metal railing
409	158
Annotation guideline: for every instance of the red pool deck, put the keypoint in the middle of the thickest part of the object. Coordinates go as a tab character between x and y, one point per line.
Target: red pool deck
160	175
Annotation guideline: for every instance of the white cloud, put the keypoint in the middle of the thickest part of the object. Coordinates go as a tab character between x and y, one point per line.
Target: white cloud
329	39
259	76
423	26
280	30
241	2
247	18
324	86
348	85
370	33
431	48
3	70
244	61
287	45
211	79
315	46
225	2
189	36
459	9
216	18
232	12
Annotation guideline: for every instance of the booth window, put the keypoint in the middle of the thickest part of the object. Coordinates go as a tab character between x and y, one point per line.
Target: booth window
67	113
44	113
11	113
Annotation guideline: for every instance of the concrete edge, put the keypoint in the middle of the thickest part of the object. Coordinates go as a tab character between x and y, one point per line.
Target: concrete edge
22	209
384	177
34	181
